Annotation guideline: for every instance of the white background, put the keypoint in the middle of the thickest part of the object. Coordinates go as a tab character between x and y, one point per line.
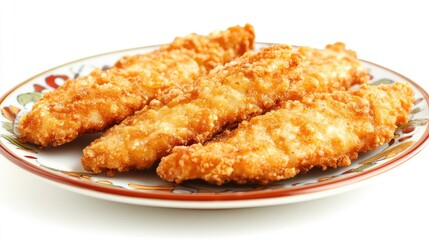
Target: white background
38	35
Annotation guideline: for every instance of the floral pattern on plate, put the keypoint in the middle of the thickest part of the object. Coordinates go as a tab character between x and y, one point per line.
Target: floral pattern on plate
62	164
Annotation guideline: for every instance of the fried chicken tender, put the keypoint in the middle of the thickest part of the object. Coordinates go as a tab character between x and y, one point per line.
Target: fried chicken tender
93	103
334	68
322	130
246	87
251	85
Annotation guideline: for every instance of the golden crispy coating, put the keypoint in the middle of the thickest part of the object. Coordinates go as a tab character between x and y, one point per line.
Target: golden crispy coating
212	50
323	130
246	87
95	102
334	68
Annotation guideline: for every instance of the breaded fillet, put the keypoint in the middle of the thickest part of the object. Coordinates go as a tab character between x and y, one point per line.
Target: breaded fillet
247	87
323	130
95	102
211	50
334	68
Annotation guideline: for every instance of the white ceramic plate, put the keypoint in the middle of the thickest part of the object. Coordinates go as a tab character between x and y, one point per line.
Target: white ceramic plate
61	165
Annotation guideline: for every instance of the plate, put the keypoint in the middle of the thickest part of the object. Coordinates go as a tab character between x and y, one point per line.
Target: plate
61	165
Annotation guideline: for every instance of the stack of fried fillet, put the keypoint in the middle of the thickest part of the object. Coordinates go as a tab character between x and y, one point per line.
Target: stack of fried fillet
292	106
95	102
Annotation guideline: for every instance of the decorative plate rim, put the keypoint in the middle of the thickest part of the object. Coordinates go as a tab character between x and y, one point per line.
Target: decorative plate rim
294	191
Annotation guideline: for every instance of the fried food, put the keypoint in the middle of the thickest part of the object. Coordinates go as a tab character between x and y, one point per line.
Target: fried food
322	130
249	86
245	87
334	68
93	103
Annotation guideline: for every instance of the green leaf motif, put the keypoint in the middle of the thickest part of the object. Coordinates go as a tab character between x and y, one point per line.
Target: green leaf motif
8	127
416	110
12	139
29	97
382	81
363	167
